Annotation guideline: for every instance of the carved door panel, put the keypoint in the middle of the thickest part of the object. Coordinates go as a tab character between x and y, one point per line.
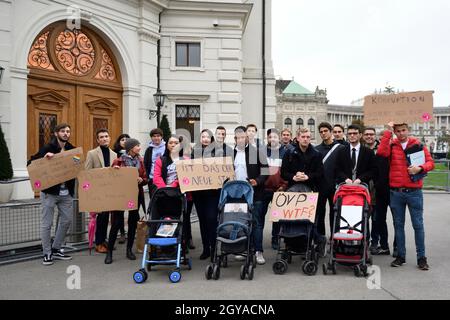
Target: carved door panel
49	103
99	108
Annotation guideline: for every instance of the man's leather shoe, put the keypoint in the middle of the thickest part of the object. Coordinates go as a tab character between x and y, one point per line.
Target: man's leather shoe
130	255
108	259
101	248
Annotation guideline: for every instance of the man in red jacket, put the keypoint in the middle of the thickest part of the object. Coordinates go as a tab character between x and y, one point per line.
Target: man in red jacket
406	188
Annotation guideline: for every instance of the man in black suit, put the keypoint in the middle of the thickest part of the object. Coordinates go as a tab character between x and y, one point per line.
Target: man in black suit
250	164
355	162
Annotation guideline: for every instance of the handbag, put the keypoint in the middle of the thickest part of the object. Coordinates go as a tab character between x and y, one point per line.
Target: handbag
141	235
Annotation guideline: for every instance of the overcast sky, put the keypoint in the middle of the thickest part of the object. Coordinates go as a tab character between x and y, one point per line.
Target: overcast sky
351	47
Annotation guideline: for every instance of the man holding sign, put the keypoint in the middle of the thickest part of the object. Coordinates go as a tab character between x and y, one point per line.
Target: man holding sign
60	195
405	189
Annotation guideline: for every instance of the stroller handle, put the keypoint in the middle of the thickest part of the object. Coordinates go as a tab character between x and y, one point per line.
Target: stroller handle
165	221
362	184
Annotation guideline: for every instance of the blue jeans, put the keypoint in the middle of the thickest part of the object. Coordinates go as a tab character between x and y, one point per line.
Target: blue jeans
260	217
414	201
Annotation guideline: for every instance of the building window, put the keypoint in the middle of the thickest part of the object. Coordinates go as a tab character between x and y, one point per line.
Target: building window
187	118
312	127
299	123
288	123
188	54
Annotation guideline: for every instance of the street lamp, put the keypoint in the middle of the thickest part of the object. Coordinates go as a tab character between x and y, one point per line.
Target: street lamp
159	99
1	73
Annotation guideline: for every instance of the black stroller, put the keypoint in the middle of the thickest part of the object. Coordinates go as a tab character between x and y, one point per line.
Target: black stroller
234	233
300	239
165	243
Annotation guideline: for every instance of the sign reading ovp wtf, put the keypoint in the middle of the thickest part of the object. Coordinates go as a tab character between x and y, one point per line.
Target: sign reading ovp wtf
293	206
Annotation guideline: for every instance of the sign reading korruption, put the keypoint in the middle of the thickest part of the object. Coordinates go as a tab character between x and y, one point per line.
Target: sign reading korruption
406	107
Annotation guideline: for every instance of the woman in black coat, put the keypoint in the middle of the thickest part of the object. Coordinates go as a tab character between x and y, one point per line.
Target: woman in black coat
206	201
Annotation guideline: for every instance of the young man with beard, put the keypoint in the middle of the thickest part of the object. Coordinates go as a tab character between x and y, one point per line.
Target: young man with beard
60	195
101	157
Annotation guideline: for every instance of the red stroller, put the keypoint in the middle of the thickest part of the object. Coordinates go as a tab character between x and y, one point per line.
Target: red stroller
349	241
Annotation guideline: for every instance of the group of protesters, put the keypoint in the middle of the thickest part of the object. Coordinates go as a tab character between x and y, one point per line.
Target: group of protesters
283	163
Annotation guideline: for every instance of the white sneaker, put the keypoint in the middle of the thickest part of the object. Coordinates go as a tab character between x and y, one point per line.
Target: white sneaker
259	258
239	258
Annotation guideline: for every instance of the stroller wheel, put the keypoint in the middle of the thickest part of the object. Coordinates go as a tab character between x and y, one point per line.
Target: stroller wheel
357	271
309	268
208	272
175	276
243	271
216	272
250	272
364	270
280	267
333	267
225	262
325	269
140	276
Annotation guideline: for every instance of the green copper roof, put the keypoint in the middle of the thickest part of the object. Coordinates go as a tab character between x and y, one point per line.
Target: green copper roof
295	88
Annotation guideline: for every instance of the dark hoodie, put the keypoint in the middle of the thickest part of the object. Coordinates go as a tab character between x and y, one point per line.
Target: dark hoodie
54	147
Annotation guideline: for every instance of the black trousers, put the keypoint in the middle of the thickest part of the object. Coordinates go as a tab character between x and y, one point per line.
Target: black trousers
101	228
207	212
379	233
321	210
133	218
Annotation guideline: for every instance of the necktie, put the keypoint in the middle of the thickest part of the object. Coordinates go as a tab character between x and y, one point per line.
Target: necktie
354	157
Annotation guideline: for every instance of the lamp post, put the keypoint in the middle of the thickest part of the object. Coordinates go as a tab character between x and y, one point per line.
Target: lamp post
1	73
159	99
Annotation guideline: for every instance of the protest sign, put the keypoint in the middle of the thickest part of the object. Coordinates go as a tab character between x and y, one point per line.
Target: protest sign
407	107
204	174
293	206
45	173
108	189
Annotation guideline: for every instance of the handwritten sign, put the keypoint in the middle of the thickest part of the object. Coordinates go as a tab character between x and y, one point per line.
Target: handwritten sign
408	107
204	174
64	166
108	189
293	206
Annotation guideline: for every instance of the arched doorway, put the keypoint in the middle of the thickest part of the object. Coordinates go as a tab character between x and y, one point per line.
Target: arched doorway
74	78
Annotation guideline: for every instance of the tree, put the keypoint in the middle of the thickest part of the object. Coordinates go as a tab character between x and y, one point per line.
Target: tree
6	170
165	128
359	123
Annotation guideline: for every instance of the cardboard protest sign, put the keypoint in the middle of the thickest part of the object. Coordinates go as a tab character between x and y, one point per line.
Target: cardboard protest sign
293	206
204	174
45	173
108	189
407	107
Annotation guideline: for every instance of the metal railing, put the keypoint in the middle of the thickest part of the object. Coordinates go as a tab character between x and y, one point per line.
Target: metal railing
20	228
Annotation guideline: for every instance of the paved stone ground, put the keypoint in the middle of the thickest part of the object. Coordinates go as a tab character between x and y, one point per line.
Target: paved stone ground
31	280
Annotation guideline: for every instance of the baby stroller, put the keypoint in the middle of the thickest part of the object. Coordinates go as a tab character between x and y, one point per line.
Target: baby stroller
349	241
164	244
300	239
234	233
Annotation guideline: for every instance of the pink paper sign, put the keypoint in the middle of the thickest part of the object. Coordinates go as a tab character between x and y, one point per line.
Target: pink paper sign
86	186
130	204
37	184
186	181
426	117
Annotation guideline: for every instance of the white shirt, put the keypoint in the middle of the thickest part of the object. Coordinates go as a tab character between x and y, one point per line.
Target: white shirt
404	144
358	147
240	166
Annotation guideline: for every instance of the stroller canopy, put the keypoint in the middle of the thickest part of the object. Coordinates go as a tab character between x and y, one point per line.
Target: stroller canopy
236	190
167	202
357	194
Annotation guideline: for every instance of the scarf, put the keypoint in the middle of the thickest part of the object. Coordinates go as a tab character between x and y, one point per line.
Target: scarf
130	161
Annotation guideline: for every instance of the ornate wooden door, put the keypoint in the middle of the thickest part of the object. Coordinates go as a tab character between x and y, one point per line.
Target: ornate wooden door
73	79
